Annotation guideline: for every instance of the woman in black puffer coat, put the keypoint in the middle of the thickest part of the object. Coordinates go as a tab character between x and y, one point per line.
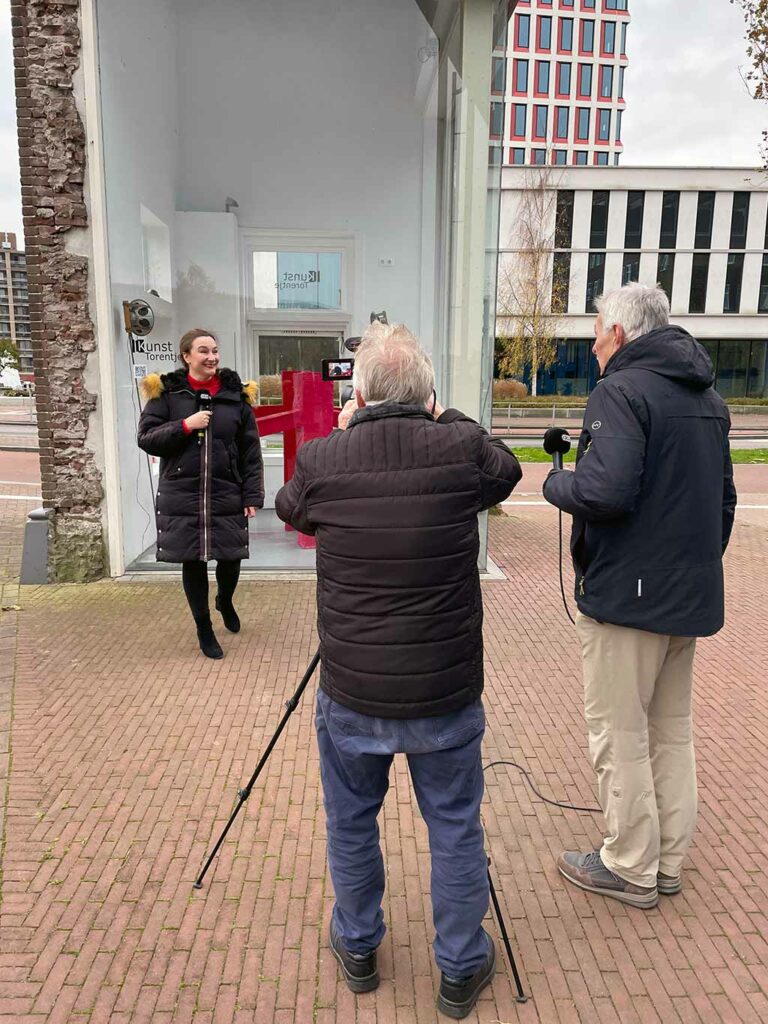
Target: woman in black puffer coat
211	476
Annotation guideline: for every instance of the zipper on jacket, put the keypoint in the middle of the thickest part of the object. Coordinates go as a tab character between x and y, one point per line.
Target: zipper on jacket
581	587
205	495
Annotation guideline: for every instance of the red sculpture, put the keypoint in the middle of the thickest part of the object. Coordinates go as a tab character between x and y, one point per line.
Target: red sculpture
306	411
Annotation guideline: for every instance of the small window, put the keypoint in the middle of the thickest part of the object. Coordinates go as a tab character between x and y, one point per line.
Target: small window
665	272
669	209
619	114
564	218
523	22
633	231
588	5
545	32
518	120
580	158
582	123
699	274
630	268
587	36
561	277
601	159
518	156
499	67
624	27
585	81
609	37
739	218
563	79
561	122
604	125
297	280
621	83
598	230
539	156
733	274
497	120
560	157
606	81
566	34
521	76
540	122
542	77
762	302
705	215
595	280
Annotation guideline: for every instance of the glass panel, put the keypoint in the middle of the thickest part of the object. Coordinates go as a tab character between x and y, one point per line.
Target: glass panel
665	272
762	302
604	125
601	159
606	83
521	76
523	30
733	275
669	209
705	213
542	76
278	352
564	219
518	156
739	217
566	39
699	275
757	381
561	157
497	82
564	79
630	270
587	36
297	280
732	366
539	156
599	225
545	32
582	125
561	276
580	158
609	37
585	80
519	113
595	280
540	124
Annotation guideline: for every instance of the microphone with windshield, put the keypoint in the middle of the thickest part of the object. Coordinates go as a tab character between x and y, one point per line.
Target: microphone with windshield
204	405
557	442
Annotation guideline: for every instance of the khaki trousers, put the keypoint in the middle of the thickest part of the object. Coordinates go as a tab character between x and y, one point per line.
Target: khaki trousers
637	702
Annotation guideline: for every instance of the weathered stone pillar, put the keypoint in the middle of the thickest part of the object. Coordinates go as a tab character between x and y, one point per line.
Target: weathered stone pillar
46	38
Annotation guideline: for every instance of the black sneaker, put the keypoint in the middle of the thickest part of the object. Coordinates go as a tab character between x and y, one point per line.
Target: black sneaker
457	996
359	969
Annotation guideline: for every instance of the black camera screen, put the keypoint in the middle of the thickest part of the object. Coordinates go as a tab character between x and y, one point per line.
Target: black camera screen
338	369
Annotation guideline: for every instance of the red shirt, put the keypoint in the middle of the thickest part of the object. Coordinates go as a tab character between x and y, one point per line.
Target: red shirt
212	386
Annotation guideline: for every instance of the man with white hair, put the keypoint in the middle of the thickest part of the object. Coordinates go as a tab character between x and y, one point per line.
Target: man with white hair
653	501
393	499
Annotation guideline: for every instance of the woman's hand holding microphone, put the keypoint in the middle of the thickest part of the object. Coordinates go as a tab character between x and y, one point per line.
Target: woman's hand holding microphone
199	420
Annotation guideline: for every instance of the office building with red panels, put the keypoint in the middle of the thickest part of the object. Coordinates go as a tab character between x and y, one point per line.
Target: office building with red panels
558	93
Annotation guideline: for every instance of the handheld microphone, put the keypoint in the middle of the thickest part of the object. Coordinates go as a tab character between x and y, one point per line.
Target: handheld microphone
557	442
204	405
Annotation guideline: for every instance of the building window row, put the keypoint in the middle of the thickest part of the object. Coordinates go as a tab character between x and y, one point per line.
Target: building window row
559	157
609	33
562	80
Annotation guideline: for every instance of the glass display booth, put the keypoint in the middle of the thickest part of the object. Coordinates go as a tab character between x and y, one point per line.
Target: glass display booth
276	171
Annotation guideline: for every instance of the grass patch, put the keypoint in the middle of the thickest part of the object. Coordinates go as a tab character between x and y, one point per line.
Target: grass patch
740	456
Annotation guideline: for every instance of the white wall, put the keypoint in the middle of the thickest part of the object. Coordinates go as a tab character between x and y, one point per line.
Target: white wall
306	113
137	44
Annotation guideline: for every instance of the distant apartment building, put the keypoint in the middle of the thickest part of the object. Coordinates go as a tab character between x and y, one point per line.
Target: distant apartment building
700	232
559	92
14	299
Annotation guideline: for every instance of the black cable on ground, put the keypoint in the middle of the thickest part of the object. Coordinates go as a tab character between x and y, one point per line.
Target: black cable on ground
554	803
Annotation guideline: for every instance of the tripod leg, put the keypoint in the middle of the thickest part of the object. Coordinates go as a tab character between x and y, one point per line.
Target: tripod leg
244	793
521	996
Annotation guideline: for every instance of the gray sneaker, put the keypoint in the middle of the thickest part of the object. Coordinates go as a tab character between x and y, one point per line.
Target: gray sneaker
668	885
588	872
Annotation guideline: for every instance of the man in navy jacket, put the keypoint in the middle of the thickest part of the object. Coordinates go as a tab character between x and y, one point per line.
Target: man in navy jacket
653	501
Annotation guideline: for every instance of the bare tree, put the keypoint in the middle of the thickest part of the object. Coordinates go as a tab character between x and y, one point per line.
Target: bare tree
756	76
532	289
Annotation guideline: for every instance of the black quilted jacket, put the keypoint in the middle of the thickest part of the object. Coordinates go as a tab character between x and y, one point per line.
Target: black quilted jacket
393	502
204	487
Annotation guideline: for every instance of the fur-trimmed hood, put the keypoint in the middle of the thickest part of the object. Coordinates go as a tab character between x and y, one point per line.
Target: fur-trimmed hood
154	384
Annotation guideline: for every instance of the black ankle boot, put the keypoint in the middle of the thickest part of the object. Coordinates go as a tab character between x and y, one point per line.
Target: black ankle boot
228	613
209	645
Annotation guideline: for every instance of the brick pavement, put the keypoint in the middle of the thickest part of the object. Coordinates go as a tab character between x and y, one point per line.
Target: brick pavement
128	748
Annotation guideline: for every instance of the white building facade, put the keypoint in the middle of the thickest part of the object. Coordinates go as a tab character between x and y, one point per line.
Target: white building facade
701	233
563	82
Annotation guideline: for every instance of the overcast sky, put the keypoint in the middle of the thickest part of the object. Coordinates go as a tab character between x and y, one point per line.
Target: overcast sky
686	101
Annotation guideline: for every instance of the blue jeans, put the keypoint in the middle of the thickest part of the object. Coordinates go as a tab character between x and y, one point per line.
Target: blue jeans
443	753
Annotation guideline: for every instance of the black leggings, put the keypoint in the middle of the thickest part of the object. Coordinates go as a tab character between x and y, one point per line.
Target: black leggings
194	576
